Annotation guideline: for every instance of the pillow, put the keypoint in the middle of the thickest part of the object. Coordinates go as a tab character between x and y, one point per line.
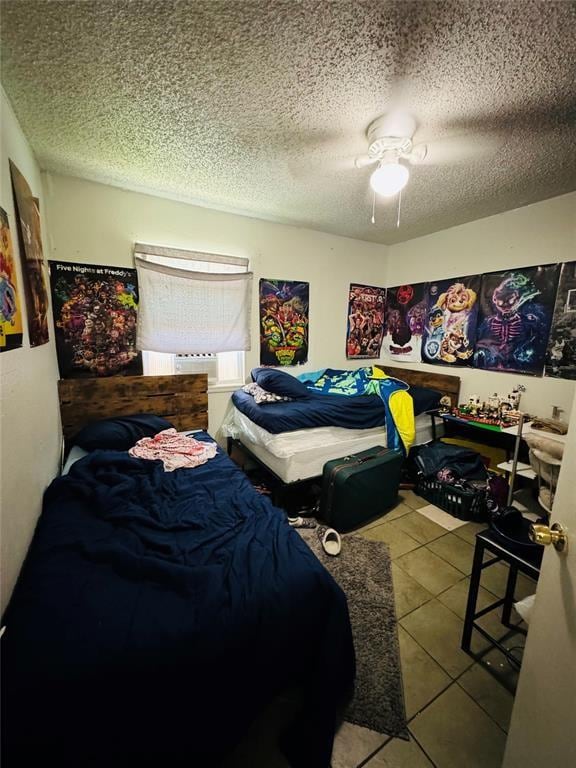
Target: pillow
279	382
425	399
262	396
120	433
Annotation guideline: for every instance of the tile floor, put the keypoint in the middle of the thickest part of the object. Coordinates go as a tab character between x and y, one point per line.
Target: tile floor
458	709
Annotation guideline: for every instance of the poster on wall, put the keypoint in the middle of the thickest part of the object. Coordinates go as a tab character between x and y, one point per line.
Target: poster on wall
10	304
514	319
30	237
365	330
283	322
451	317
95	312
561	352
405	317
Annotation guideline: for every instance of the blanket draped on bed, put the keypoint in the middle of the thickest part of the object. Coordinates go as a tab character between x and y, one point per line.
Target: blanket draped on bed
158	612
400	427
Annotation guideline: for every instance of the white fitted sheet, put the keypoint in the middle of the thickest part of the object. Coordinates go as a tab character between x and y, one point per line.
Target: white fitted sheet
301	454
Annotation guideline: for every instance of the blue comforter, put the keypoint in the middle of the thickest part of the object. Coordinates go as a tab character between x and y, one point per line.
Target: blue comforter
158	612
310	408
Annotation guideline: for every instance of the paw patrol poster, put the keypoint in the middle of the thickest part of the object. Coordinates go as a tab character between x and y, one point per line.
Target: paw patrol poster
283	322
366	306
95	312
561	352
10	306
451	319
514	319
405	317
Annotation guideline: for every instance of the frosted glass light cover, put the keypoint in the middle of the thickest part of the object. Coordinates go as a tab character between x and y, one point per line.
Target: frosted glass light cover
389	179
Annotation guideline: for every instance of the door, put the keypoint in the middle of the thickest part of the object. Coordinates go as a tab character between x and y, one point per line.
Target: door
543	727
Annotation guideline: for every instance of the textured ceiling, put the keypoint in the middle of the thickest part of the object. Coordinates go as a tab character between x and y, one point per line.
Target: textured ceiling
259	106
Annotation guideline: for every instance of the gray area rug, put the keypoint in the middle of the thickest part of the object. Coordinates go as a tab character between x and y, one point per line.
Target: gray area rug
363	570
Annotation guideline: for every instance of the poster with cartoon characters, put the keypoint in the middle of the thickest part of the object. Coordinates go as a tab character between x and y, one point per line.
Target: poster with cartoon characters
514	319
561	352
405	318
95	312
451	316
365	330
33	261
10	305
283	322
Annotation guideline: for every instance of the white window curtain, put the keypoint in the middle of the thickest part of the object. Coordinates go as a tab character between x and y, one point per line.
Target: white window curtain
192	302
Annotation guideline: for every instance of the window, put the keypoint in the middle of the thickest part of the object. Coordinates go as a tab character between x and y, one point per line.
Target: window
220	307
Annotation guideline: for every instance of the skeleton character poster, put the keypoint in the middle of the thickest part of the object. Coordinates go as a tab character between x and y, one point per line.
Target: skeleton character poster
561	353
10	306
452	312
365	332
283	322
514	319
31	250
95	312
405	318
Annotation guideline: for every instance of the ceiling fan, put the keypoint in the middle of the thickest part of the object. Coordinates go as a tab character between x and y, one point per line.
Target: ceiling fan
389	143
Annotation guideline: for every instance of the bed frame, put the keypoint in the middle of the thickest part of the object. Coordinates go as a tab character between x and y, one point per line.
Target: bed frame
182	399
446	383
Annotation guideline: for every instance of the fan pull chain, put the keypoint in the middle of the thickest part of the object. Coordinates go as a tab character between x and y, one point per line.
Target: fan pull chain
373	207
399	204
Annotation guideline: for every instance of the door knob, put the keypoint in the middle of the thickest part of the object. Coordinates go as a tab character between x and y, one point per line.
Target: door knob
554	534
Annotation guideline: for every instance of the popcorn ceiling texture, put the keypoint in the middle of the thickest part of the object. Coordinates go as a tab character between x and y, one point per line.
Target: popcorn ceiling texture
260	106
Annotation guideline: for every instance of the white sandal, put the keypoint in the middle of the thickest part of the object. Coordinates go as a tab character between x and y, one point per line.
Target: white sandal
330	540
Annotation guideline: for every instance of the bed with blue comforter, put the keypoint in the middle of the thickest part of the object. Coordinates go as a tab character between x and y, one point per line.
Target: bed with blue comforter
308	407
158	613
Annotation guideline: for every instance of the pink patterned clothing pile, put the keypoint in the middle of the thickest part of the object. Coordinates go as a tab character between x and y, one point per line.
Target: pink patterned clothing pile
175	450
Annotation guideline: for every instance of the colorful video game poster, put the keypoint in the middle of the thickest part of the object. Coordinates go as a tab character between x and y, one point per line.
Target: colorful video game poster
30	238
283	322
10	304
95	311
405	318
366	315
514	319
451	319
561	352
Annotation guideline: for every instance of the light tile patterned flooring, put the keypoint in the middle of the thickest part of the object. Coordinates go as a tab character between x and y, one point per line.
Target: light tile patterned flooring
458	709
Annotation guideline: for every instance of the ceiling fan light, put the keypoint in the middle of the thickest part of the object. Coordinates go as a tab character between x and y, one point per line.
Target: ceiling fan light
389	178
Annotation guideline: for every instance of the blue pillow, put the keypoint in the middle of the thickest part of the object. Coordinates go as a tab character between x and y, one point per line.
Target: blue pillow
279	382
120	433
425	399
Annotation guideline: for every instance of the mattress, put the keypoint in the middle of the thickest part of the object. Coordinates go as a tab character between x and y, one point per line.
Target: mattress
301	454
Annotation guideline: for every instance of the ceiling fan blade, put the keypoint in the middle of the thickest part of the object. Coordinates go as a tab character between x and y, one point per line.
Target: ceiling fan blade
362	161
455	150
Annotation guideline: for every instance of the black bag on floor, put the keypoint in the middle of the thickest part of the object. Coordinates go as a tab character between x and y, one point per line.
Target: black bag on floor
359	487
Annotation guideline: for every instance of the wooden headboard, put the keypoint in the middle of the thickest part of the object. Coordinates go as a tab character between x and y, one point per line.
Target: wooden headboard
182	399
446	383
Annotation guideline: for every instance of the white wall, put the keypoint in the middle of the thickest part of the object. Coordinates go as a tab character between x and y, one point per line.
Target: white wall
537	234
98	224
30	431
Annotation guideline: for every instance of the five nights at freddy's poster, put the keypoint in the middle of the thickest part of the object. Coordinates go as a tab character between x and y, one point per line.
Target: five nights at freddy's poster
405	318
95	312
515	315
283	322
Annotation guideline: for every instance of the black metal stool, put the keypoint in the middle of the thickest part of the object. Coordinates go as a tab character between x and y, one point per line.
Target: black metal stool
528	564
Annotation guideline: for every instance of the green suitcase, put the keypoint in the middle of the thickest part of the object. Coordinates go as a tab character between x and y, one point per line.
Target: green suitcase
359	487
